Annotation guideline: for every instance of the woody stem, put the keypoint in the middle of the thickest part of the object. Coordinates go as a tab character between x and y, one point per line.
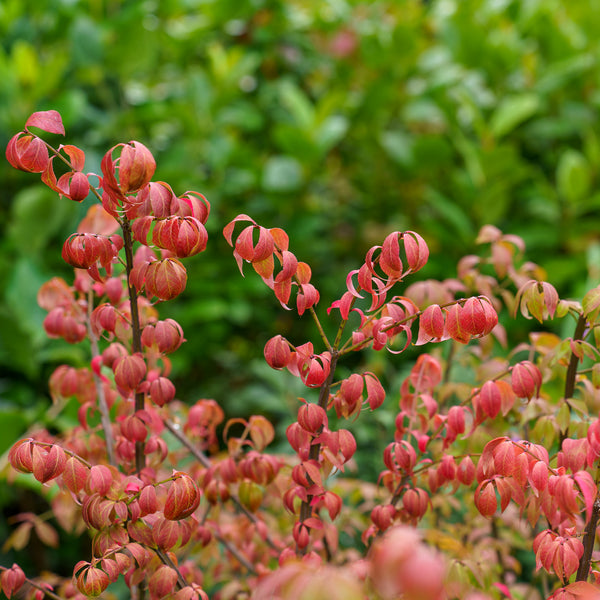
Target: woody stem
136	333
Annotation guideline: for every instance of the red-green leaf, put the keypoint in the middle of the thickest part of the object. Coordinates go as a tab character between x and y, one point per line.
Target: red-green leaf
47	120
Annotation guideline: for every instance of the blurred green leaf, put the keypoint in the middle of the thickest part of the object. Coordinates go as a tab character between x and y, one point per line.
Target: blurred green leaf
37	214
21	295
282	174
398	146
298	104
573	176
511	112
331	131
12	424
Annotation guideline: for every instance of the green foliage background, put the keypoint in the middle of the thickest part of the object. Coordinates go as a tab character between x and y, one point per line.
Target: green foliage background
337	120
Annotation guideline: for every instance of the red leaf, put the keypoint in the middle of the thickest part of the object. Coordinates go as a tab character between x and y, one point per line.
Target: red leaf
431	325
485	498
281	238
76	155
165	278
453	324
417	252
586	484
11	580
375	391
389	259
486	462
47	120
261	430
504	458
228	229
490	399
539	476
27	153
504	489
75	474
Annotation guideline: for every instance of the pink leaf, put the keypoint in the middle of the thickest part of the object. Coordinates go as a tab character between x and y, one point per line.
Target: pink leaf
586	484
47	120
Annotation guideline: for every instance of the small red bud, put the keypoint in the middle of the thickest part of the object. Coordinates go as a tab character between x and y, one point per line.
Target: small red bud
312	417
415	502
165	278
48	462
277	352
148	500
12	580
27	153
134	428
162	582
526	379
20	456
129	371
136	167
183	498
92	581
301	535
383	516
490	399
161	391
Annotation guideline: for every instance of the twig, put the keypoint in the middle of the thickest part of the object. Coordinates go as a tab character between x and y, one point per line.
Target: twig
205	462
588	543
136	334
572	371
243	560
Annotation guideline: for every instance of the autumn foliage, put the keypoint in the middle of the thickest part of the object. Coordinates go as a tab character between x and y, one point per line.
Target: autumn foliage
492	448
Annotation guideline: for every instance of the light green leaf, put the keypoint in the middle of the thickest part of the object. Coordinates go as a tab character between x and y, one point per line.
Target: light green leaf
573	176
282	174
398	146
331	131
298	104
512	111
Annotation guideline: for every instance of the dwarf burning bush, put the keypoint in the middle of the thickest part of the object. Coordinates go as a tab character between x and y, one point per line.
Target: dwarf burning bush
182	502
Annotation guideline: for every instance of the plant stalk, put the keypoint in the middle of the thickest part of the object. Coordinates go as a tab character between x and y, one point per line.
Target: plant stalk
136	333
572	370
589	538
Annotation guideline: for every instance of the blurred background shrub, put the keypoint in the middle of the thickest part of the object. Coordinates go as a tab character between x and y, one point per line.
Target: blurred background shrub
337	120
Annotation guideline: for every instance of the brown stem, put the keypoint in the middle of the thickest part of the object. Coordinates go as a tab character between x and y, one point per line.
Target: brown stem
205	462
198	454
242	559
315	449
322	333
165	558
136	333
572	370
589	537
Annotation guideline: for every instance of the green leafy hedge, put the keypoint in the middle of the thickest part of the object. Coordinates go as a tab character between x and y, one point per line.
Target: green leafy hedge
338	121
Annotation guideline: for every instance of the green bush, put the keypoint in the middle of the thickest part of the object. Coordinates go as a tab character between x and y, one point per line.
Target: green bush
338	121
